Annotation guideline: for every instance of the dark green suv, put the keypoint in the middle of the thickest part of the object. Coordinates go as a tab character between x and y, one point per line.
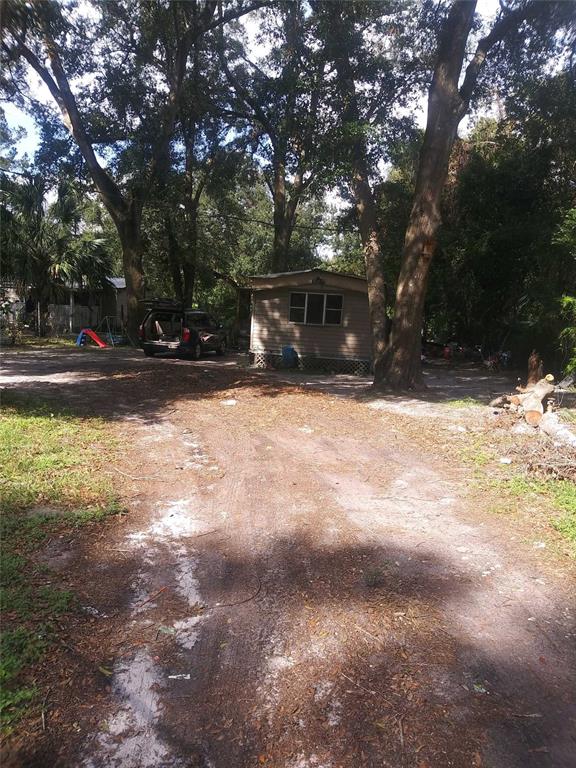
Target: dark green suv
167	327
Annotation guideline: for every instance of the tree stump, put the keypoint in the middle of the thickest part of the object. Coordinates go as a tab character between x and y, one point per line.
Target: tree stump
535	368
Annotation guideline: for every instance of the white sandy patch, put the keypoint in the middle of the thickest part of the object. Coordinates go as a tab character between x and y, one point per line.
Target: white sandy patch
334	713
186	582
187	632
313	761
269	688
322	690
322	694
132	740
177	520
278	663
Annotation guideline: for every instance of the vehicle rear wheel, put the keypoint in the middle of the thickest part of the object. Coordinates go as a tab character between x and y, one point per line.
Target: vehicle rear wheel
149	352
221	348
197	351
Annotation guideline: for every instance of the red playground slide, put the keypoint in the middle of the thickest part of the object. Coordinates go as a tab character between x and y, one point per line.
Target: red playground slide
94	336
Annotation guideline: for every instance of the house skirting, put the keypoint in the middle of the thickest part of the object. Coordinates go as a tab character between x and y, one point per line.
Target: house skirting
273	360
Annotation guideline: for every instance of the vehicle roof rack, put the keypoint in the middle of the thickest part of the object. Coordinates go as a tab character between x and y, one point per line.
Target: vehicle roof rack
162	302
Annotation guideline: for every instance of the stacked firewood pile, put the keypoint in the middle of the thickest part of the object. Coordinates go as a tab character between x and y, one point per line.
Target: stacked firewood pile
529	400
535	403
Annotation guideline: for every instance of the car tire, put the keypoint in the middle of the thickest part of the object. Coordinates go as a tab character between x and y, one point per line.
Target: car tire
221	348
149	352
197	351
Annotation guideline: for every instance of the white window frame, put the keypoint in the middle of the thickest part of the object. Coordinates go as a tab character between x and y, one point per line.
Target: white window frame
315	293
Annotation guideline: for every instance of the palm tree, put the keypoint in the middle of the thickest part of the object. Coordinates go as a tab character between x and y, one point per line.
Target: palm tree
50	246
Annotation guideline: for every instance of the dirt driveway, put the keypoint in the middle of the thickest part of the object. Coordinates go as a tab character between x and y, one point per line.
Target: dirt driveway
301	582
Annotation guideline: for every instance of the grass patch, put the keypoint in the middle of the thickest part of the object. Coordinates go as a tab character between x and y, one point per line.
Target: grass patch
464	402
475	451
46	457
48	341
560	494
19	648
512	491
51	483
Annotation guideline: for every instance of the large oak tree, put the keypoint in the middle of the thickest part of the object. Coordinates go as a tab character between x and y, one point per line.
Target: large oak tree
451	90
140	51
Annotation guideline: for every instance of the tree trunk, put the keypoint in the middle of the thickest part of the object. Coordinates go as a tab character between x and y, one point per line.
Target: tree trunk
535	368
281	247
402	366
42	312
173	251
191	255
447	104
282	231
377	297
189	270
363	199
131	240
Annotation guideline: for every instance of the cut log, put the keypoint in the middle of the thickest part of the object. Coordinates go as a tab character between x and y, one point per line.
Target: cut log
533	418
540	390
537	386
533	401
554	428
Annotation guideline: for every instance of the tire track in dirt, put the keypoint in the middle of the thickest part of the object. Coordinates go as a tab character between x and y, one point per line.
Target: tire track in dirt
133	738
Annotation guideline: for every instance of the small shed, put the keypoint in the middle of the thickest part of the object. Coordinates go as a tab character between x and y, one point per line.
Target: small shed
322	315
114	299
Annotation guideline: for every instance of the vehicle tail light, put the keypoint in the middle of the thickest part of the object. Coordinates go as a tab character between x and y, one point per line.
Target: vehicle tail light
186	335
141	331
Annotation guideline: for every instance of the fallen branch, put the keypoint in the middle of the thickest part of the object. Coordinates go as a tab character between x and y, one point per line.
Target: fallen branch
373	693
239	602
139	477
367	633
547	460
401	729
162	589
551	425
44	709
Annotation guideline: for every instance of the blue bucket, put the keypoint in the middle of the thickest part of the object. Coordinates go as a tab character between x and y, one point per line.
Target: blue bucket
289	357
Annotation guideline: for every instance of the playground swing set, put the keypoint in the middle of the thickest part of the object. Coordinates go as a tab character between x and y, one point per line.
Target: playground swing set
108	332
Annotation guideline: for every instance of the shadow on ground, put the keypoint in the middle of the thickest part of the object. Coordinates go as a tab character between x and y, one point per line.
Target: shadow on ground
316	655
308	657
145	387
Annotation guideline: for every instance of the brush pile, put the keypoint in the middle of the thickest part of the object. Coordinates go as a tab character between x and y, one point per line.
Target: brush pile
538	408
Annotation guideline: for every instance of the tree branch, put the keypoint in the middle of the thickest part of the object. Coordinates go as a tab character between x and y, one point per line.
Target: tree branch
235	13
500	29
59	88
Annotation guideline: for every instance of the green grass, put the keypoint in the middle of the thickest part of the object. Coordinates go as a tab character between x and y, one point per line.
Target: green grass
19	648
46	457
48	341
509	492
559	494
476	452
50	484
464	402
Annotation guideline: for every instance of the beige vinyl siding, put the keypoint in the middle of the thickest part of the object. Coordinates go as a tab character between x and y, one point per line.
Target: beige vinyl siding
272	330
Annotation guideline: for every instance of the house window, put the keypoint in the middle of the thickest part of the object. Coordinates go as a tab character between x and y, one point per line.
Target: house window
297	307
333	310
316	308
